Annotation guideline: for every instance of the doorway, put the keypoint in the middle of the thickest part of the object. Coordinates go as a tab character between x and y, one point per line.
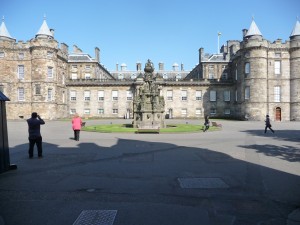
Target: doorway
278	114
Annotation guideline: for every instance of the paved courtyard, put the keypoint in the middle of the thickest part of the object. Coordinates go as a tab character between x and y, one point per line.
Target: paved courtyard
236	176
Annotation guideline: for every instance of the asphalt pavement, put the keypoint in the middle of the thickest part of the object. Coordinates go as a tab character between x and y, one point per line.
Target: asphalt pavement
236	176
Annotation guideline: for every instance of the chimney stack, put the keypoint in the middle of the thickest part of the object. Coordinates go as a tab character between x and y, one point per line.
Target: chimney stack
97	54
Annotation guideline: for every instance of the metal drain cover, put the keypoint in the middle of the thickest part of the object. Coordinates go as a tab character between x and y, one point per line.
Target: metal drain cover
203	182
96	217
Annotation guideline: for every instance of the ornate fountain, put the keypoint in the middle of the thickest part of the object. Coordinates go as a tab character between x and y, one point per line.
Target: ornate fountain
148	104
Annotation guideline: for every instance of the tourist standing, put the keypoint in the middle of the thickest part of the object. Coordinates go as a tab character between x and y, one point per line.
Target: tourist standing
76	125
268	124
35	137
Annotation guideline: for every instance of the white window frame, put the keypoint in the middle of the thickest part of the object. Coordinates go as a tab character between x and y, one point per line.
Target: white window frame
213	111
37	89
211	72
100	111
169	95
277	94
72	111
49	54
87	111
114	95
21	72
247	68
227	111
129	95
184	95
2	54
73	95
74	76
21	94
50	72
198	112
227	96
87	76
21	55
277	67
100	96
87	96
115	111
49	94
184	112
212	95
247	92
198	95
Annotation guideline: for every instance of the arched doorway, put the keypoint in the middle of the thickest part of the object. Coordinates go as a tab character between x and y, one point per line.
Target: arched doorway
278	114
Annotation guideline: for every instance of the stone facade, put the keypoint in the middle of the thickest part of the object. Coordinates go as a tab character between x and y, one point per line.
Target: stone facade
246	80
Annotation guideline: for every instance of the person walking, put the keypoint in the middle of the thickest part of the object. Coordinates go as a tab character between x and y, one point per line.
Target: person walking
76	125
206	123
35	137
268	124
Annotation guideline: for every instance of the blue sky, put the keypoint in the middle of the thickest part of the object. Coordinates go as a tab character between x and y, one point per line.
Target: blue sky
127	31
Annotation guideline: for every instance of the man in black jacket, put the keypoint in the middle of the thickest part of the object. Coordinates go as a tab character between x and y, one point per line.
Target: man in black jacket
35	137
268	124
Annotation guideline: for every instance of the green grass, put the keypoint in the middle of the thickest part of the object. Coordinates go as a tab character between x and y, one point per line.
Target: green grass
127	128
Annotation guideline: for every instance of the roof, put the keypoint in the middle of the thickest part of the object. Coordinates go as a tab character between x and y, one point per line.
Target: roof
215	58
80	58
44	30
253	30
296	30
3	30
3	97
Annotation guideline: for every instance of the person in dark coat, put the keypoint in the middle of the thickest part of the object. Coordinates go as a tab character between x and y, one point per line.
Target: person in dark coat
268	124
206	123
35	137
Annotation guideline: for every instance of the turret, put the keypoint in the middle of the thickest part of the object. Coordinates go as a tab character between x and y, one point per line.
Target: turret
4	34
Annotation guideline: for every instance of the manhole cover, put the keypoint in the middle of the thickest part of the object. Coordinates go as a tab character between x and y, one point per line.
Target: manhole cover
204	182
96	217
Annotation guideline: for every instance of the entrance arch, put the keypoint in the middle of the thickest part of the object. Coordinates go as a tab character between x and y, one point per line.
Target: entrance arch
278	114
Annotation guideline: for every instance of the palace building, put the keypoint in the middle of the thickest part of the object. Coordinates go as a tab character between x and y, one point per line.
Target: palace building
248	79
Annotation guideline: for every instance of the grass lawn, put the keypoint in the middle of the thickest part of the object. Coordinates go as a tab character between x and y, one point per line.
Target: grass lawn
127	128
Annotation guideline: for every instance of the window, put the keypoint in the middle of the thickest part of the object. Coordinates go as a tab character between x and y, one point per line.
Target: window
120	76
87	76
211	72
49	54
184	112
277	55
101	111
37	89
277	95
236	95
183	95
213	111
178	76
74	76
170	95
87	67
277	65
21	72
2	54
72	111
100	96
50	72
247	92
2	88
73	95
129	95
165	76
212	96
21	55
227	96
226	111
87	95
198	95
115	111
21	94
50	95
198	112
86	111
247	68
74	67
224	73
115	95
236	74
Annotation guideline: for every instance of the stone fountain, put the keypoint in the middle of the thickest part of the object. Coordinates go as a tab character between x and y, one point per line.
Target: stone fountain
148	104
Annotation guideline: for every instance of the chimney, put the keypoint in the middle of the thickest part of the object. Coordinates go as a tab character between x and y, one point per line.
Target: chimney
182	69
76	49
52	32
97	54
244	32
201	53
138	66
161	66
117	67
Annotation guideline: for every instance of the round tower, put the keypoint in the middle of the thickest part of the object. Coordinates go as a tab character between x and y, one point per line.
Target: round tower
254	79
294	72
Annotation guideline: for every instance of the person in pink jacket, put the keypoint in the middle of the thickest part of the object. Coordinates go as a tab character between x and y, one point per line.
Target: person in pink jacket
76	125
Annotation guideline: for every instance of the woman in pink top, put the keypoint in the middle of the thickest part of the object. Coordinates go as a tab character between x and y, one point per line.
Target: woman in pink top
76	125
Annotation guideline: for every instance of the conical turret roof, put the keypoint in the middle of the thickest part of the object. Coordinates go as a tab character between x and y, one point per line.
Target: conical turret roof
296	30
3	30
44	30
253	30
